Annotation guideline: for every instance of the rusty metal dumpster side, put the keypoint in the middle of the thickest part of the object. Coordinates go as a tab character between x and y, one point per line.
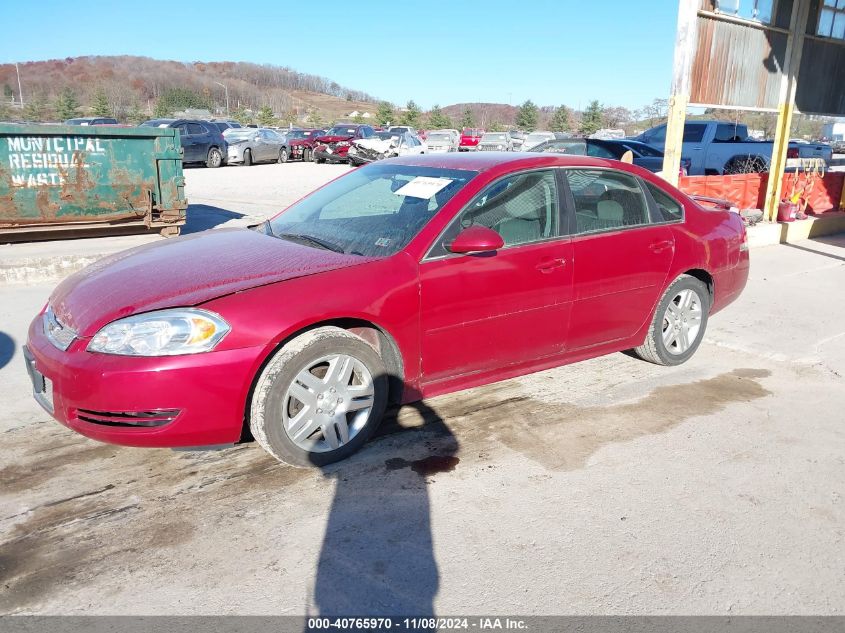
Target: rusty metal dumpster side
57	177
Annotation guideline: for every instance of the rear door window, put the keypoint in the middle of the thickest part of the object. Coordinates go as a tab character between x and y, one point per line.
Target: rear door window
668	209
606	200
196	128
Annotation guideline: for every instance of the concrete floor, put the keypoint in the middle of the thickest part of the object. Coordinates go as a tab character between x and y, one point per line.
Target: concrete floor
608	487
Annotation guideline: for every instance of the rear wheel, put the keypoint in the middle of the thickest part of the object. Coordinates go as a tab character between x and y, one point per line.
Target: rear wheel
283	155
679	323
214	158
319	398
247	157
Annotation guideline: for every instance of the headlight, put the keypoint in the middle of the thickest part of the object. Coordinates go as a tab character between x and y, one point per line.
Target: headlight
343	143
499	146
352	150
161	333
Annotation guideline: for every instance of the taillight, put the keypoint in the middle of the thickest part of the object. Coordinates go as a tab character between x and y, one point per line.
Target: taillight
792	152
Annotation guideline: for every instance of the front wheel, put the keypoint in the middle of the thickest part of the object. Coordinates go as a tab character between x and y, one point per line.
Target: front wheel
678	324
215	158
319	398
283	155
247	157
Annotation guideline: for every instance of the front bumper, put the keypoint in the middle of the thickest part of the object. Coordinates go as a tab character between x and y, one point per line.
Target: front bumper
171	401
333	157
297	152
468	148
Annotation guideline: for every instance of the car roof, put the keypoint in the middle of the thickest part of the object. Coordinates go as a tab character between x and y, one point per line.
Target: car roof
483	161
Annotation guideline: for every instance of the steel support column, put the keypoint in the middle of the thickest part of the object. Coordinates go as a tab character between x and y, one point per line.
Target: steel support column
786	106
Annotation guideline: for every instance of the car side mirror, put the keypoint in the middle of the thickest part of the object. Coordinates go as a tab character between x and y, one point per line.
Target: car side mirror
476	239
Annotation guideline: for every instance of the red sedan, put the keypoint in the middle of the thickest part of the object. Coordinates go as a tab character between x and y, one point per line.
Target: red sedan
404	279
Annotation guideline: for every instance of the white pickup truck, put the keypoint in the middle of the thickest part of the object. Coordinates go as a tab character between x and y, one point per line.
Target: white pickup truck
722	147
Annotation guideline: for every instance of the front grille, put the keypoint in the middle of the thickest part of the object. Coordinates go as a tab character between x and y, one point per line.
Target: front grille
128	418
369	154
488	148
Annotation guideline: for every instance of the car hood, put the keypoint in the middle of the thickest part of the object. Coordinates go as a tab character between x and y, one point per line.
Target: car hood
334	139
184	271
375	144
300	141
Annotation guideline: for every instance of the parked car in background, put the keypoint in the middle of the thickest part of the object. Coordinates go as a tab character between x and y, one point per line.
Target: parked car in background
838	146
201	141
643	155
301	142
385	145
495	142
248	146
517	139
535	138
403	128
304	330
92	120
225	125
334	145
469	139
724	147
439	141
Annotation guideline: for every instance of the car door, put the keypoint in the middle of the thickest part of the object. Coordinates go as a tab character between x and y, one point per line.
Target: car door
189	154
694	147
484	311
200	141
268	147
621	258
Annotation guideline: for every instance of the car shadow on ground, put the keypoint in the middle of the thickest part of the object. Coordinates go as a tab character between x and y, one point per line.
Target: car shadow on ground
7	349
201	217
377	555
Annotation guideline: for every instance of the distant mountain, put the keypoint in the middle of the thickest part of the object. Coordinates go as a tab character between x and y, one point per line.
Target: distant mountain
139	82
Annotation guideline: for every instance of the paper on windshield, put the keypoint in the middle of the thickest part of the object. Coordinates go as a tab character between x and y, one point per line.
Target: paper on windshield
423	187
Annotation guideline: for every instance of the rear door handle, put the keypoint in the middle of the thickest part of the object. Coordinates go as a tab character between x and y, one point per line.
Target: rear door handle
549	264
659	247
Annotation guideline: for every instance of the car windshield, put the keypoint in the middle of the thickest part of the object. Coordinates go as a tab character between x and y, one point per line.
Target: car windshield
494	137
469	132
386	136
300	134
439	137
341	131
373	211
539	138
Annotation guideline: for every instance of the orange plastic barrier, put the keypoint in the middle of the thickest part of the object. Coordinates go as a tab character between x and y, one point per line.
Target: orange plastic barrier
748	191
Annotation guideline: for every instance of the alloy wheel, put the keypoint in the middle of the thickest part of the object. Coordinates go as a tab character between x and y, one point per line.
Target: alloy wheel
681	321
328	403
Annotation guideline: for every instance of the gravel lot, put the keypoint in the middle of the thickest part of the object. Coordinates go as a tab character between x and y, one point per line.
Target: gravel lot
610	486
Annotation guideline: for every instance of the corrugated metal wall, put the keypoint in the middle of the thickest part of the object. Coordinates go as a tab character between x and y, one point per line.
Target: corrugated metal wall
739	65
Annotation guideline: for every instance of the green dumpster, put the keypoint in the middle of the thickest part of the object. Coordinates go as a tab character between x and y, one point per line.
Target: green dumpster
80	179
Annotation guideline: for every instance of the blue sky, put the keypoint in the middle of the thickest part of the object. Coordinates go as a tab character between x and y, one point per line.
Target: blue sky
550	51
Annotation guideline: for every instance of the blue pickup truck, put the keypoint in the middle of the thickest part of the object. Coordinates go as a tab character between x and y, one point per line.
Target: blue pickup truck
722	147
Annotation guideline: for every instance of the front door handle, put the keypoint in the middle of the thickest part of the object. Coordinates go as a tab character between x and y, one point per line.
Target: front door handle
549	264
662	245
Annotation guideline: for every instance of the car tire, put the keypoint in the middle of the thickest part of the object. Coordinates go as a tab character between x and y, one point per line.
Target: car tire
678	324
247	157
317	159
283	155
214	158
307	155
294	372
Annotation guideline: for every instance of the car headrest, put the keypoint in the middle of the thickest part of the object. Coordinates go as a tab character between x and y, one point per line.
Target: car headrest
610	210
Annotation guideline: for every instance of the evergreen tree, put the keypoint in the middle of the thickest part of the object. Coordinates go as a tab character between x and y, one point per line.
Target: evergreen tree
315	119
8	93
100	106
467	120
67	105
135	114
591	120
358	118
37	109
560	120
242	116
266	117
162	109
495	126
526	116
412	114
384	114
437	120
